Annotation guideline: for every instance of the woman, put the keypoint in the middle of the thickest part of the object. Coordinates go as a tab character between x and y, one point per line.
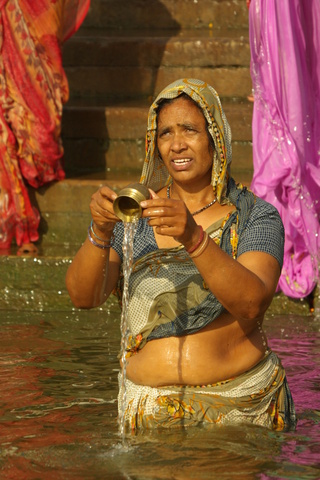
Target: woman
285	70
207	258
32	92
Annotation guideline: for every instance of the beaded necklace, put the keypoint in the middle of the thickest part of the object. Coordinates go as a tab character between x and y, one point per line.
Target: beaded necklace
197	211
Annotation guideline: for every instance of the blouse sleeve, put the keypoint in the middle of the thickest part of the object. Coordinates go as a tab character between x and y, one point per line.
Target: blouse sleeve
264	232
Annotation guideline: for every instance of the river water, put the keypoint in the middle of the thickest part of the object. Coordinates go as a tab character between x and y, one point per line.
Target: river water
58	382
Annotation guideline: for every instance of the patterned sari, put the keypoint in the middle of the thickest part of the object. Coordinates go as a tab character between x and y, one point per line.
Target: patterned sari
260	396
33	89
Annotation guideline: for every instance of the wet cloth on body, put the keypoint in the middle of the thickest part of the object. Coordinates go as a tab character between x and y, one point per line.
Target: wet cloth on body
259	396
168	296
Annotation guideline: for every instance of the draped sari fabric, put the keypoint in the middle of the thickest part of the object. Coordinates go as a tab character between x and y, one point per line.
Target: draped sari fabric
33	89
285	70
260	396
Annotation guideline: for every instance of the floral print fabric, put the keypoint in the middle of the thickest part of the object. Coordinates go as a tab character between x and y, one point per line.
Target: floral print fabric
33	89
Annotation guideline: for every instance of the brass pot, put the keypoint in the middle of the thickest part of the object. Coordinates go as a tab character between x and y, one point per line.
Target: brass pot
127	204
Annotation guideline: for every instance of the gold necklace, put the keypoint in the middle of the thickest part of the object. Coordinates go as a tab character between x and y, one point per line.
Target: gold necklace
197	211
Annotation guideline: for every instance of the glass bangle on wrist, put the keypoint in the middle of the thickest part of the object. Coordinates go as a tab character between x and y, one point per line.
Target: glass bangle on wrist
96	236
104	245
192	249
201	248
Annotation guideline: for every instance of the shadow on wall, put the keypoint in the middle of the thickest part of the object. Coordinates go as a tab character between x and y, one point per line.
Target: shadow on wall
112	64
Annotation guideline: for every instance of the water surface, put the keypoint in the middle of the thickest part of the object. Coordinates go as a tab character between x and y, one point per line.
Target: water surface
58	381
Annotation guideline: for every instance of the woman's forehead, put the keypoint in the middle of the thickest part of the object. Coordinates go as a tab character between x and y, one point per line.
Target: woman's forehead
180	109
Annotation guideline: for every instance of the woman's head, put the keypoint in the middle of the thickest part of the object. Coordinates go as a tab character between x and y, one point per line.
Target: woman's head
154	173
183	141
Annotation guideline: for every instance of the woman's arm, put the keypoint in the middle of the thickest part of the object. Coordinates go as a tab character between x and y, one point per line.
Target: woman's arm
245	286
94	271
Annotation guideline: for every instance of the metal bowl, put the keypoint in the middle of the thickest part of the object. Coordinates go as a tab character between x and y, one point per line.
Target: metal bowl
127	204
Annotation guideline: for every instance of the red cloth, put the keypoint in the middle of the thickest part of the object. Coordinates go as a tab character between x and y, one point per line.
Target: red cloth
33	89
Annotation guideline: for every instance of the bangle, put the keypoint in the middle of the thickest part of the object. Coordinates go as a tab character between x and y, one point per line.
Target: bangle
201	247
104	246
96	236
192	249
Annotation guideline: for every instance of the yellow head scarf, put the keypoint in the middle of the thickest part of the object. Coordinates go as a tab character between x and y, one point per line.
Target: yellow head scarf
154	173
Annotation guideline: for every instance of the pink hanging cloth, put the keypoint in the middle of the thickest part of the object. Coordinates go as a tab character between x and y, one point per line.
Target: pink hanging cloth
285	71
33	89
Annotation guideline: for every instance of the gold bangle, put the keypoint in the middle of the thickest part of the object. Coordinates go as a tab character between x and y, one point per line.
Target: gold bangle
201	247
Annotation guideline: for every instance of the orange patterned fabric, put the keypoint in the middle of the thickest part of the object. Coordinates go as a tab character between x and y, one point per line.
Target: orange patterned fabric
33	89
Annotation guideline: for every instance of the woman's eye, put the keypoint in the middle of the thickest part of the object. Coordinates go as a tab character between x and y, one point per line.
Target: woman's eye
190	129
164	134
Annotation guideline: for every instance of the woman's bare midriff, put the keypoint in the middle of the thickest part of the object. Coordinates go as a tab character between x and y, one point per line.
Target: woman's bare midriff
218	352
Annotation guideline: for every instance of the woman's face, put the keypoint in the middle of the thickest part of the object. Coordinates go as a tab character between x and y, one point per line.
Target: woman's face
183	142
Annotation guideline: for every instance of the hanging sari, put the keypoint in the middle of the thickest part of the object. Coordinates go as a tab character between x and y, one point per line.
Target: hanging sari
33	89
285	70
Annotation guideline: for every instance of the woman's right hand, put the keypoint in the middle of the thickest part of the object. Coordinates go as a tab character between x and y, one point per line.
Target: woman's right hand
94	272
101	207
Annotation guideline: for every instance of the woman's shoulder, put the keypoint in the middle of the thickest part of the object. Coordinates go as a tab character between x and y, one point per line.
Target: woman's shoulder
263	209
263	231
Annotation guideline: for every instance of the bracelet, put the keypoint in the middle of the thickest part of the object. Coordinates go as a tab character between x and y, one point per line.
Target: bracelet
192	249
96	236
201	247
99	245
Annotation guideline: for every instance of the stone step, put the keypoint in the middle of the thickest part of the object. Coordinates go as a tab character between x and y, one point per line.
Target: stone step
140	63
111	137
167	14
102	132
95	158
38	284
152	48
128	120
146	82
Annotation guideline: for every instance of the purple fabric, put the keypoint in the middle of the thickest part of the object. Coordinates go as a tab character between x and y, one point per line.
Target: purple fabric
285	71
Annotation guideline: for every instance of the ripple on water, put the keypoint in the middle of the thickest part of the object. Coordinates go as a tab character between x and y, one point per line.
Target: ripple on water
58	408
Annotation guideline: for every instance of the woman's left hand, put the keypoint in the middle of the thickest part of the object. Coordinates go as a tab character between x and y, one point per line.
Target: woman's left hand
172	218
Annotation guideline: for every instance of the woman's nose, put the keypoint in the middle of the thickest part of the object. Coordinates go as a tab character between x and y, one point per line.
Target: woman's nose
178	143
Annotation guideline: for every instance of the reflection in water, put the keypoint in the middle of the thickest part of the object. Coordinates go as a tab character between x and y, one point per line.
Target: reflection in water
58	408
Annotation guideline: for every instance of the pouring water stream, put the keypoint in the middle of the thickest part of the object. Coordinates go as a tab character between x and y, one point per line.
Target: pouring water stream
127	248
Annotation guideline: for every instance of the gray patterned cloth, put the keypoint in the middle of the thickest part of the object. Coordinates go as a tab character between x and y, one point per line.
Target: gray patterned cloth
167	294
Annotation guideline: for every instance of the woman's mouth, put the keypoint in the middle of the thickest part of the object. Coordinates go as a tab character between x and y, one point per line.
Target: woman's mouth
181	161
